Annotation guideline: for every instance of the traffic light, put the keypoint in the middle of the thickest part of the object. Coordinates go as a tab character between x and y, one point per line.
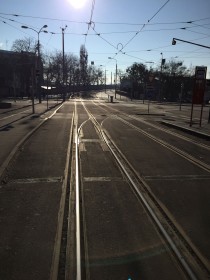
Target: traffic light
173	42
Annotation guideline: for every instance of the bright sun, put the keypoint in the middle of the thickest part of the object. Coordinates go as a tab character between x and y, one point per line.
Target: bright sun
77	3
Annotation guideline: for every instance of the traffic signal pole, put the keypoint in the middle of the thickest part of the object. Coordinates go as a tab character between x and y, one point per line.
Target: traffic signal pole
175	39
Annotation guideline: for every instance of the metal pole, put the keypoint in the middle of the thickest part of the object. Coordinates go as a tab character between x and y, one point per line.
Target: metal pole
180	104
201	115
38	74
47	87
116	81
175	39
161	70
63	61
191	114
115	76
63	29
32	88
105	81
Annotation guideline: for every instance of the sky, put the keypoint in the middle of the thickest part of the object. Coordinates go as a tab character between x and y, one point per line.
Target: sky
127	31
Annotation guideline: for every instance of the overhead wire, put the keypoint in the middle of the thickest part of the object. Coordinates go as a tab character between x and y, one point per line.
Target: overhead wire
120	51
107	23
91	24
45	18
145	24
121	32
5	22
90	21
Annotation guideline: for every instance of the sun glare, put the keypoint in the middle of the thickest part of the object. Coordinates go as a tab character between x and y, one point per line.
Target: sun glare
77	3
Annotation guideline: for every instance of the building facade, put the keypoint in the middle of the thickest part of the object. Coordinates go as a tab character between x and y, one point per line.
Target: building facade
17	74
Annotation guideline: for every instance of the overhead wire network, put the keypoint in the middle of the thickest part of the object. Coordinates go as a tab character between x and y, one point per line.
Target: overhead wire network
90	21
109	23
191	26
191	22
120	47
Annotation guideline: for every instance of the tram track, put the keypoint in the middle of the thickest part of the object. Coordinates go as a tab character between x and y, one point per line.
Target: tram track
188	250
155	210
68	249
173	148
70	242
160	128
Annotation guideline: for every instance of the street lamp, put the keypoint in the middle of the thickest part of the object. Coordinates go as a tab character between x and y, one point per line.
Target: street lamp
63	70
38	47
115	76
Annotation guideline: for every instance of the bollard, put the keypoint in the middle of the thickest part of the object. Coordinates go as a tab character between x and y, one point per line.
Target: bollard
111	99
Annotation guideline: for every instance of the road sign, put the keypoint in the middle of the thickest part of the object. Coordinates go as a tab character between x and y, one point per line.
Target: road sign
199	84
199	89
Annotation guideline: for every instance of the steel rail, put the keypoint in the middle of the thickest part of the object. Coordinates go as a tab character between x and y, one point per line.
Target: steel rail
171	243
190	247
174	149
58	237
173	246
78	233
160	128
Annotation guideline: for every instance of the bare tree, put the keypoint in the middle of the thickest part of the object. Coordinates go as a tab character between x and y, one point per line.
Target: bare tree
83	65
25	45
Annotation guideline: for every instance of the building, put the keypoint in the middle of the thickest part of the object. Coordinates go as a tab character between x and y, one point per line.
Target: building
17	74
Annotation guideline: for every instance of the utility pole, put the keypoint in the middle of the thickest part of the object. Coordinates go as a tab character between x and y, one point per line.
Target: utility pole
115	76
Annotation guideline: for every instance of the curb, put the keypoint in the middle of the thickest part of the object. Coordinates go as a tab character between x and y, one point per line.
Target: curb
188	130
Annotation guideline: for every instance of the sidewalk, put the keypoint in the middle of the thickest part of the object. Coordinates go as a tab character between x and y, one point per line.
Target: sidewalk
23	103
15	105
202	131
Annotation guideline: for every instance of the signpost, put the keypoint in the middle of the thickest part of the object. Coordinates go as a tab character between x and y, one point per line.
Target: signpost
198	89
150	89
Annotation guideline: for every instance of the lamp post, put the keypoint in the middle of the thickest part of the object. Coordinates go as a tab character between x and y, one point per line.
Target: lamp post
115	76
38	61
63	64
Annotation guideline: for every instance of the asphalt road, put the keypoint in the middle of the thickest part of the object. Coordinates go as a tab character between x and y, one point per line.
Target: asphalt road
121	241
30	199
